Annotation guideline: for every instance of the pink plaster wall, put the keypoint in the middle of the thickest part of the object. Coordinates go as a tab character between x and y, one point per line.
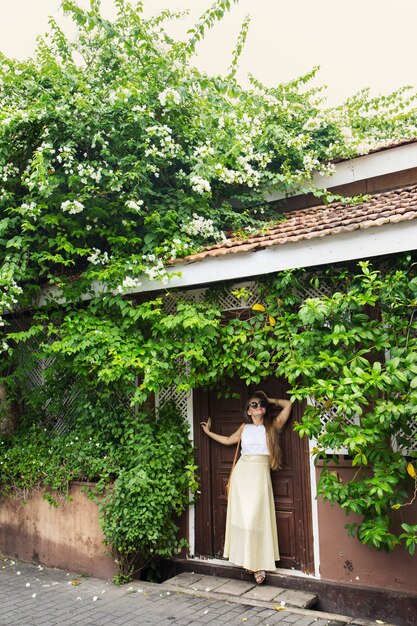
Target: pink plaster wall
68	537
345	559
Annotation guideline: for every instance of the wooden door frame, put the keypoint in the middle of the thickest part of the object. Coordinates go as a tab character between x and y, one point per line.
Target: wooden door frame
302	458
204	506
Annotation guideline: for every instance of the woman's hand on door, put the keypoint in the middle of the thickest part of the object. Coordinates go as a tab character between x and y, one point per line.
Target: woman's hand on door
206	426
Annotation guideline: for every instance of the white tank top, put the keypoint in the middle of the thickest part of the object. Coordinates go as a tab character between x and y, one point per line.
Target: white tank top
254	440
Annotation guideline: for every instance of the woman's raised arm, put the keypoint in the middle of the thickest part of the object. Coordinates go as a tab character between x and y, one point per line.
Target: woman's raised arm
283	415
226	441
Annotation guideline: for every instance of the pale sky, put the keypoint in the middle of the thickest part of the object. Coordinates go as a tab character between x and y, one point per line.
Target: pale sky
359	43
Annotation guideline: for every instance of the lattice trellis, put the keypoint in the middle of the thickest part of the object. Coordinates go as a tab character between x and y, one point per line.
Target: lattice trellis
171	394
227	299
64	420
172	299
328	413
411	439
314	291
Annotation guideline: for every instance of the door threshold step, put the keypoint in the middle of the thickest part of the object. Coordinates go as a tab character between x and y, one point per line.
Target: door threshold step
271	597
243	591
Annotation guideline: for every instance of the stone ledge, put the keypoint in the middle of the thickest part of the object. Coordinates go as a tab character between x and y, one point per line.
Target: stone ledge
246	591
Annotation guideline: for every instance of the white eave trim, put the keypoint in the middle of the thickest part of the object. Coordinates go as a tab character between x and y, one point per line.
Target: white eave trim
388	161
354	245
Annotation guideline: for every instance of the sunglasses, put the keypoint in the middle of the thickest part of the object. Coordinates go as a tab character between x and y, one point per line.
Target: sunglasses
256	405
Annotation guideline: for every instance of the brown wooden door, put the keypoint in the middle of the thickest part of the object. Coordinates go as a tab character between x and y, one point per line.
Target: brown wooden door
291	484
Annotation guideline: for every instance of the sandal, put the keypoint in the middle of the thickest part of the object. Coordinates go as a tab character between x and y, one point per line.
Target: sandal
260	576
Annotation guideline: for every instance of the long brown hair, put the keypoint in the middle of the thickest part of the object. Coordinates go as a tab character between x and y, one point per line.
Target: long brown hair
272	434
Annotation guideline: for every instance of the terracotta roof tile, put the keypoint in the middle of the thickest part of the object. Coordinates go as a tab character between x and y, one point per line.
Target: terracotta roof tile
321	221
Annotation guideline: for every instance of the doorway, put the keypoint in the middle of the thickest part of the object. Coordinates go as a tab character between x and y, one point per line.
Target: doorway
291	483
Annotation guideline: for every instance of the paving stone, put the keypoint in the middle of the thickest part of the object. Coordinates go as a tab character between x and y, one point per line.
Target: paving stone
185	579
208	583
289	618
292	597
235	587
266	593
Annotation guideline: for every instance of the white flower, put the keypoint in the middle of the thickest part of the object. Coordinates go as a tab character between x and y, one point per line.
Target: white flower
327	169
203	151
310	162
200	185
127	284
169	95
199	226
313	123
97	257
202	226
272	100
298	142
72	207
135	205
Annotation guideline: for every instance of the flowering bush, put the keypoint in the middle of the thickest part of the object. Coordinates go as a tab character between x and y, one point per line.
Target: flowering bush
113	146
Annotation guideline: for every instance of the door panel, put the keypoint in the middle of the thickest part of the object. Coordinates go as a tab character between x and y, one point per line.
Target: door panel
227	416
291	483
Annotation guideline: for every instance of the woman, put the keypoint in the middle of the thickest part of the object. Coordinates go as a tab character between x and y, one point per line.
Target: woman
251	538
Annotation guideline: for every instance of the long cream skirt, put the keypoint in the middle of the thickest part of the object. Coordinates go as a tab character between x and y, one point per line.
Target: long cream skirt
251	538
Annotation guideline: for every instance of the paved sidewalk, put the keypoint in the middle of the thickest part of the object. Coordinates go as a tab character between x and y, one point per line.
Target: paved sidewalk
33	595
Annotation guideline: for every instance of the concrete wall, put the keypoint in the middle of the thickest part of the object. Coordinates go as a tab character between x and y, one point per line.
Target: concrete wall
68	537
345	559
